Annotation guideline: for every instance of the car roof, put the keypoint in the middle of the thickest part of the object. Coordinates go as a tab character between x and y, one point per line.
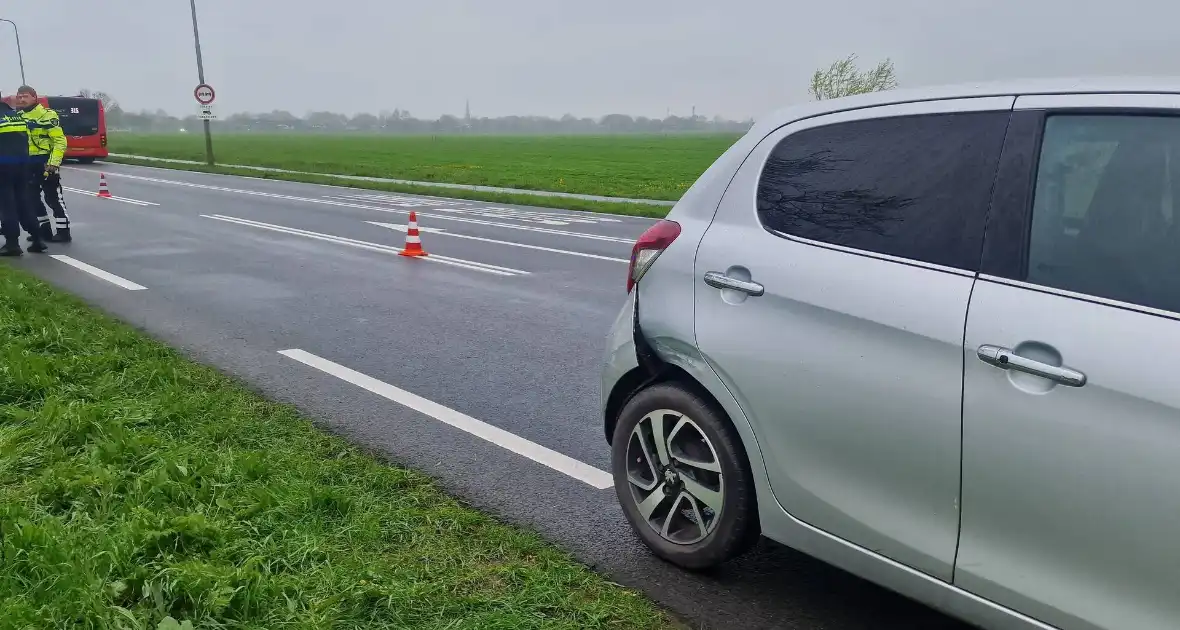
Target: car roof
1019	87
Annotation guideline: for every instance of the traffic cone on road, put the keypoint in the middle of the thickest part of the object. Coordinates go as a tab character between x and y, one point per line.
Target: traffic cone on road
103	191
413	240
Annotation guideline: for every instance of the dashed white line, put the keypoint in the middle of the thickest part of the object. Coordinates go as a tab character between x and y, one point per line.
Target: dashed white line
403	228
431	214
595	216
134	202
375	247
561	463
481	209
99	273
331	200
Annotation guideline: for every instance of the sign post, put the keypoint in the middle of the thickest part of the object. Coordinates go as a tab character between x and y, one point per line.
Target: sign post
19	55
205	96
203	89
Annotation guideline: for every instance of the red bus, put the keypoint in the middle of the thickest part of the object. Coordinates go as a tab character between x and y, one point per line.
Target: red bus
84	122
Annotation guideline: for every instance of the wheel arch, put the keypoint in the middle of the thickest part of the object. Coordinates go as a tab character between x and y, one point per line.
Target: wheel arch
639	379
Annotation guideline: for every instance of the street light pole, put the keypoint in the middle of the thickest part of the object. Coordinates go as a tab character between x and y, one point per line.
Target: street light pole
19	55
201	79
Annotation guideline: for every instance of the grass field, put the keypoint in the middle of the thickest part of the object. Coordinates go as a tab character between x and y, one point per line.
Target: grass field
638	167
138	489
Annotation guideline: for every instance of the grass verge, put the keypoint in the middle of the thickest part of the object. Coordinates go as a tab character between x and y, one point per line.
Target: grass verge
523	199
138	489
631	166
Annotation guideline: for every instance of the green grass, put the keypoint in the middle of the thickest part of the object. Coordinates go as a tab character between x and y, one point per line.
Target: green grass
610	207
136	486
629	166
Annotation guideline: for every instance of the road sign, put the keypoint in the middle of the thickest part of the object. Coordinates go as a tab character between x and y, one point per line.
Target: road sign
205	112
204	94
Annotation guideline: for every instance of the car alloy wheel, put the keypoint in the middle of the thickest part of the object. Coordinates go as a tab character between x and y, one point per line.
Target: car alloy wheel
675	477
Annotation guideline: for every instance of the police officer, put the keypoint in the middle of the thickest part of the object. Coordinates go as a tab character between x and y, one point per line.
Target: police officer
47	147
15	210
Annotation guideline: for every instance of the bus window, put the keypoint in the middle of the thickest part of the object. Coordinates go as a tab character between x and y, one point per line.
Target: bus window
79	116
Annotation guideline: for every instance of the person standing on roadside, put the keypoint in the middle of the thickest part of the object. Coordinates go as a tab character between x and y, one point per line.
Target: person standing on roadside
15	210
47	147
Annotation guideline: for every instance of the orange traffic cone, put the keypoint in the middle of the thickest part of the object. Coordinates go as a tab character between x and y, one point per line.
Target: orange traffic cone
103	191
413	241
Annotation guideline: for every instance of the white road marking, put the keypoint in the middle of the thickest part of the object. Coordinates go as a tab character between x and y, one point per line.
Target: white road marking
339	201
527	228
344	187
403	228
375	247
99	273
135	202
484	209
561	463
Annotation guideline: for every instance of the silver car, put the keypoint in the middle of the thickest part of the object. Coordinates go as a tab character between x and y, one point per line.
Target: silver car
929	336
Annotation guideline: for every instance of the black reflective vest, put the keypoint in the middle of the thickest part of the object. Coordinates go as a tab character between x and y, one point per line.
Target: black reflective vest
14	136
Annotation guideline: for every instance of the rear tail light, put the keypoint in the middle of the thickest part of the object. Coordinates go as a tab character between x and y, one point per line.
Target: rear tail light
103	139
648	247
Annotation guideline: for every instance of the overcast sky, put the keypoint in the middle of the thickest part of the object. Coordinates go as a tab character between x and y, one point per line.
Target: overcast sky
737	58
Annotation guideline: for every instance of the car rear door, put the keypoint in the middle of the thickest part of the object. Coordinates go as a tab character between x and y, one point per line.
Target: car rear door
1071	442
832	288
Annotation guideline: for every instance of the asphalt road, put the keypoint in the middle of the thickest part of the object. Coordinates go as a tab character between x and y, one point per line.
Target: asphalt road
497	336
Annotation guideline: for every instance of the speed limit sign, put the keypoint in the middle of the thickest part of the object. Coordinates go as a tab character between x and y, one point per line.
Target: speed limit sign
204	94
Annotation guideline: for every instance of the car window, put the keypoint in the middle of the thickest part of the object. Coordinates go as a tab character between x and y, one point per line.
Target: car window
1104	218
915	187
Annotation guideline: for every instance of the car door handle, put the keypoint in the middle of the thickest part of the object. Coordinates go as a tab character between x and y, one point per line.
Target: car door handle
718	280
1006	359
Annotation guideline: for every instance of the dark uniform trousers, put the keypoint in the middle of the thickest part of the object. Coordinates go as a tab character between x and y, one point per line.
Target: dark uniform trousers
15	210
50	184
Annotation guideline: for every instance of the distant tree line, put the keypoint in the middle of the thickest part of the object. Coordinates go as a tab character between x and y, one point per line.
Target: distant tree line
402	122
842	78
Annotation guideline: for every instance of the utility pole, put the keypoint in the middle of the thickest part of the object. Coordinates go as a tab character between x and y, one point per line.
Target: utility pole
19	55
201	79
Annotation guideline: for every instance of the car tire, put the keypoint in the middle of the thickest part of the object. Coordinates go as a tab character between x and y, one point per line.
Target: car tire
732	530
86	160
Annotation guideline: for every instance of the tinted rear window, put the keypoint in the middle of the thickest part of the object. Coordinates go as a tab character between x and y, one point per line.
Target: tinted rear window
915	187
79	116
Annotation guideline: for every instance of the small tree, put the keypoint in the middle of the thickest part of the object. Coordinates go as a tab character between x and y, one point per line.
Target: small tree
843	78
108	101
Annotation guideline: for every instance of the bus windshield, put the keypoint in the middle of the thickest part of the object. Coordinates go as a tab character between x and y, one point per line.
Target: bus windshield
79	116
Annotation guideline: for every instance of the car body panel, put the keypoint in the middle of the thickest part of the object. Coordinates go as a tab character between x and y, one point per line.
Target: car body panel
1070	502
666	309
987	588
879	468
668	312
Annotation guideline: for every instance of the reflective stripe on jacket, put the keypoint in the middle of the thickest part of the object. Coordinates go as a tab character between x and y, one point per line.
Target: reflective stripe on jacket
14	137
45	134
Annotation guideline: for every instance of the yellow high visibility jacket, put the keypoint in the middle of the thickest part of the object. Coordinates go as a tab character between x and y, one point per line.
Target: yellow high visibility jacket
45	134
14	137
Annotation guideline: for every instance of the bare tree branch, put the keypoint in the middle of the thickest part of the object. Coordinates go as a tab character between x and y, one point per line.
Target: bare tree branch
842	78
